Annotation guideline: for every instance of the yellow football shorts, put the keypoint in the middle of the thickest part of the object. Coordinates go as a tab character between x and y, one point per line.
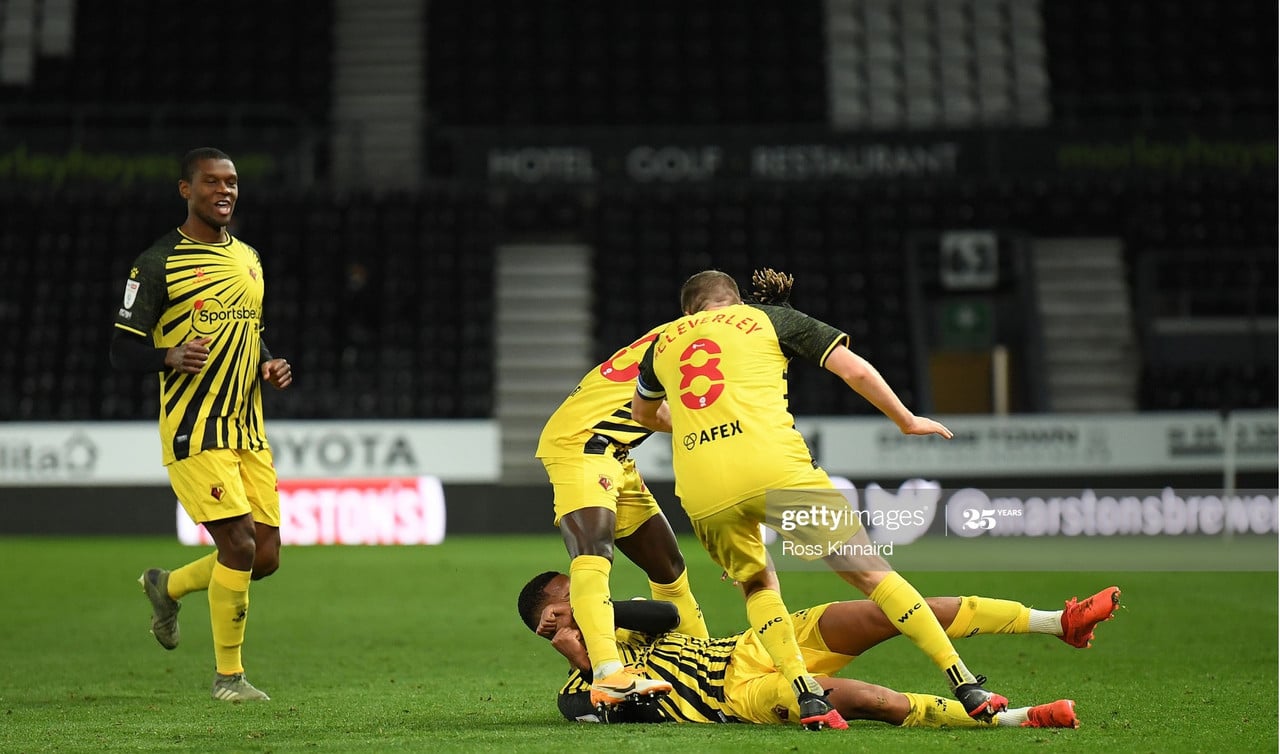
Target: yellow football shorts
225	483
756	692
813	519
601	481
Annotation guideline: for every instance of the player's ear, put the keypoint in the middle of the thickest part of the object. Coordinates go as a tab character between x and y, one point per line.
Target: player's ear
184	189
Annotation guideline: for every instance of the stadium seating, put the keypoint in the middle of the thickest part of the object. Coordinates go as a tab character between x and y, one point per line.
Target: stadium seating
845	246
384	301
374	296
1161	61
574	62
172	62
389	350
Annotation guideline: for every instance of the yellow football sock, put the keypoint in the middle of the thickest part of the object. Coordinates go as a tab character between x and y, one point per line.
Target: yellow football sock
679	594
928	711
911	615
228	612
984	615
771	622
192	577
593	610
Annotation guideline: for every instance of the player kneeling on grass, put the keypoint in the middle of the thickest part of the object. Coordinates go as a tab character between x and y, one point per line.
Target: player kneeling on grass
732	679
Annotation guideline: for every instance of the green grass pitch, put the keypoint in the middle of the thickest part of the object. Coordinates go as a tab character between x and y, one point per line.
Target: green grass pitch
419	649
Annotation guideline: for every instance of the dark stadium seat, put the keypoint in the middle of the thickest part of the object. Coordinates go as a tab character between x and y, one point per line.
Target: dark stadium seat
1160	61
422	329
430	257
281	59
758	61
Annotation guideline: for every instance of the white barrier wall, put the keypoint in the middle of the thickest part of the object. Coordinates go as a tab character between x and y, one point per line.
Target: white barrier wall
1029	445
128	453
93	454
386	482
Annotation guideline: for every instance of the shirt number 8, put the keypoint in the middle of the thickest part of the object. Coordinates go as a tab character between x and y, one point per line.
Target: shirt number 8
710	369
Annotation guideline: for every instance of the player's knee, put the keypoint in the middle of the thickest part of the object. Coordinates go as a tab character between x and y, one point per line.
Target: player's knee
665	571
858	577
765	579
265	566
236	546
266	557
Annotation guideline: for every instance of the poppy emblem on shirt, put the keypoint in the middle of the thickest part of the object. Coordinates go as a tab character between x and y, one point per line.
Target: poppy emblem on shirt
199	272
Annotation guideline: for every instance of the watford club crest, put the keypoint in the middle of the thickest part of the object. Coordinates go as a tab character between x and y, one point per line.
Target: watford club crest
606	483
217	492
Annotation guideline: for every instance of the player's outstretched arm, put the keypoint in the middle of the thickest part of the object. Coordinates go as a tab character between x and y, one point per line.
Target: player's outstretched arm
862	377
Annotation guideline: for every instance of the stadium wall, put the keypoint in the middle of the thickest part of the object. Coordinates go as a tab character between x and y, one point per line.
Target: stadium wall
413	481
504	509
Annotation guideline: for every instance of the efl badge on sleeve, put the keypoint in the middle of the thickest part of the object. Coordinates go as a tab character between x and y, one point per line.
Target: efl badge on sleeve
131	293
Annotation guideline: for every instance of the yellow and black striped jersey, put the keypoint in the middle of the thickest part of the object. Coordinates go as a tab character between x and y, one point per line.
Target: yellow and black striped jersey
724	376
600	406
694	667
180	289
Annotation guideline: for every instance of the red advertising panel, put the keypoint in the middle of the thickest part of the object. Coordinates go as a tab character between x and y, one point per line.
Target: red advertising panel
387	511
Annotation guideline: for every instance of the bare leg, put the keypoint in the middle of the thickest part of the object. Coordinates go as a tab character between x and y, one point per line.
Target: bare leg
589	531
653	547
858	700
235	540
266	556
852	628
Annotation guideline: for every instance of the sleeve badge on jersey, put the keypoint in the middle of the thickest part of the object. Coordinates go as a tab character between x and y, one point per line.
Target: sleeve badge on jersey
131	293
606	483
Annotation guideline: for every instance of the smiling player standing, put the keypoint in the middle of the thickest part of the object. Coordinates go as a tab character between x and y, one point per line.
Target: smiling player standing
192	312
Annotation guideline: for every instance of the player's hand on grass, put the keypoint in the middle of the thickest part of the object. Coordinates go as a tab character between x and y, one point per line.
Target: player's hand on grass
923	425
188	358
278	373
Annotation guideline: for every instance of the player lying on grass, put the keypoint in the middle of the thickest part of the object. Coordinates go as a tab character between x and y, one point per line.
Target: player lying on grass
733	680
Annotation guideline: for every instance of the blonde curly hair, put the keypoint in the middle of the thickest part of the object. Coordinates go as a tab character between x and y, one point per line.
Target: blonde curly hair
771	286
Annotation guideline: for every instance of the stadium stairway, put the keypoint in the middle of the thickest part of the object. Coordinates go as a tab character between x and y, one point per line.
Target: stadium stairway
377	98
1090	353
542	331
